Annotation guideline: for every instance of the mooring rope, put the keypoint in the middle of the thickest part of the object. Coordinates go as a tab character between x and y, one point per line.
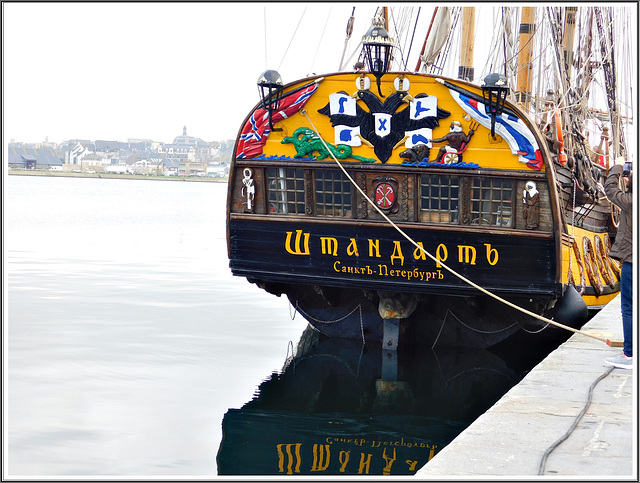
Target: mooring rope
414	243
546	454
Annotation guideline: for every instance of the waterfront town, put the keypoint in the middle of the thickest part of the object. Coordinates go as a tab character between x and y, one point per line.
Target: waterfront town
185	156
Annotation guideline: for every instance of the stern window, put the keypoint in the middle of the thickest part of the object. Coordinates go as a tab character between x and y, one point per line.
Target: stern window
332	194
439	198
492	202
285	188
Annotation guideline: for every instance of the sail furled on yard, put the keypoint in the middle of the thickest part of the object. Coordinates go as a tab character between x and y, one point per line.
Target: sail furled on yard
437	37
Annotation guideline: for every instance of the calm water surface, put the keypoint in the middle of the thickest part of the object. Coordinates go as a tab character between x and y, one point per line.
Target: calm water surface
128	337
132	351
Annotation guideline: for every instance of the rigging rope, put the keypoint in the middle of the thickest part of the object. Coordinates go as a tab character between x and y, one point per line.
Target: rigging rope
414	243
265	38
415	25
320	41
292	37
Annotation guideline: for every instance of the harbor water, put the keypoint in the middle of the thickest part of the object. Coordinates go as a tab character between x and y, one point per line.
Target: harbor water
130	350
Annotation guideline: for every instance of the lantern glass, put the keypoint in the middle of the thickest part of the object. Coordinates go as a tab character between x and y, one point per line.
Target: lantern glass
377	48
494	91
270	87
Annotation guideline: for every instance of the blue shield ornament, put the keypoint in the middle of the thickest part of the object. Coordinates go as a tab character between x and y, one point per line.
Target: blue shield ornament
382	123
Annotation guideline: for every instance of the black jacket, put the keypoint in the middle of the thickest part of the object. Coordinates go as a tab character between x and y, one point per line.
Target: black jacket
622	248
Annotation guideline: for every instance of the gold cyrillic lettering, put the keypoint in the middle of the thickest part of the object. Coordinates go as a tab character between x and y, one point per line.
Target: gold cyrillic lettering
364	464
492	254
319	462
290	458
419	254
329	245
466	254
397	253
387	469
298	248
441	254
352	249
344	459
374	245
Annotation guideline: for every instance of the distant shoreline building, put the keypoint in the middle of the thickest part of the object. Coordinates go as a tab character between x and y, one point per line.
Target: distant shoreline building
186	155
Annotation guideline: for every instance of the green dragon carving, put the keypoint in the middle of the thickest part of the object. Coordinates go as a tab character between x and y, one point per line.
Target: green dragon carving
306	141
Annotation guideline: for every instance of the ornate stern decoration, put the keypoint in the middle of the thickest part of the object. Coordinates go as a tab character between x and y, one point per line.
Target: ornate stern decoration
384	126
248	190
531	207
385	191
457	142
306	142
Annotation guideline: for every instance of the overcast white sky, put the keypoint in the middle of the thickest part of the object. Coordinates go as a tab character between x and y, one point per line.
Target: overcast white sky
144	70
115	71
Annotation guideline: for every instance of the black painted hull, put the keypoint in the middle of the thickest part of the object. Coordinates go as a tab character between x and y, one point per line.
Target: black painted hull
377	257
333	274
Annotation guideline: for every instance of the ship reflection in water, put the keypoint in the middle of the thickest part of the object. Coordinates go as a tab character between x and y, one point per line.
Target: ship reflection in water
343	408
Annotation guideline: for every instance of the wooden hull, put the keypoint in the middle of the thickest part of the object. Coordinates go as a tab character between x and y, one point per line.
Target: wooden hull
354	199
376	257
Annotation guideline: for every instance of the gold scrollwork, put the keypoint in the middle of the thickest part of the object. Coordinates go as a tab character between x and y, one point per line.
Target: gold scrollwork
591	266
603	265
576	252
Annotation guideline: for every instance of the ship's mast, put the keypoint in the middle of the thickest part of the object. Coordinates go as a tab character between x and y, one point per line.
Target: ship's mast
465	70
569	34
525	72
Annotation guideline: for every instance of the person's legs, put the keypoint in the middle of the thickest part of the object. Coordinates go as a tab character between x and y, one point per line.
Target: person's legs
626	302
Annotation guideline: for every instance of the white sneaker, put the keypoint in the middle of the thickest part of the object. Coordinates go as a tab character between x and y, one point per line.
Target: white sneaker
621	361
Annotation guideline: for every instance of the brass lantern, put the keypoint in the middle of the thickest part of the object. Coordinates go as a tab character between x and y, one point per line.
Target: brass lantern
494	91
377	47
270	88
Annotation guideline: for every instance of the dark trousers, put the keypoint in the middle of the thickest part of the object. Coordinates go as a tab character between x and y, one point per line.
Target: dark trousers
626	302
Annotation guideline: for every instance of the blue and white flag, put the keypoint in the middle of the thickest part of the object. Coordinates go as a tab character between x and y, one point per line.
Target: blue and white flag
342	104
422	107
419	136
347	135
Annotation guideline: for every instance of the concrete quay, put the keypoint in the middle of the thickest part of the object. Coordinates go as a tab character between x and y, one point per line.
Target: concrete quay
540	427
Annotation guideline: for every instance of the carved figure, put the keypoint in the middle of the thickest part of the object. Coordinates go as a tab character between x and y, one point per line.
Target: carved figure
248	189
457	140
531	210
306	142
417	153
385	123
